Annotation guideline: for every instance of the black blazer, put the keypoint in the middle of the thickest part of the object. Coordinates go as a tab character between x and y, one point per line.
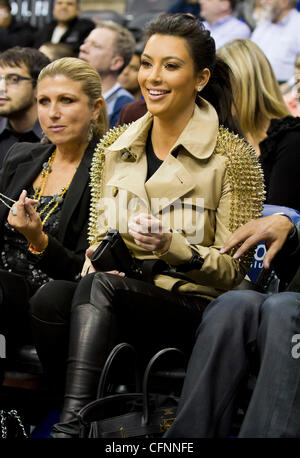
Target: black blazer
64	256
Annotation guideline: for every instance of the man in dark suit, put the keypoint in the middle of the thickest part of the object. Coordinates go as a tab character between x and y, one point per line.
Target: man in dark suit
12	32
67	26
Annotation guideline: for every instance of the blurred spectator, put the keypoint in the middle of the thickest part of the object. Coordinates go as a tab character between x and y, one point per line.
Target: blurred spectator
265	120
67	26
291	97
19	69
13	33
219	19
251	11
129	76
186	6
278	36
132	111
56	50
109	48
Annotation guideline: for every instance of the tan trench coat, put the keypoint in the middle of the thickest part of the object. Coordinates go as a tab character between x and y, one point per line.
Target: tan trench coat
215	174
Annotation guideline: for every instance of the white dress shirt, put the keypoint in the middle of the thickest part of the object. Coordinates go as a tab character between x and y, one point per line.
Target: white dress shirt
280	41
226	29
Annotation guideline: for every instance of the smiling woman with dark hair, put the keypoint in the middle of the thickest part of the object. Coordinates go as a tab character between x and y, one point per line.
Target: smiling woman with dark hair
172	184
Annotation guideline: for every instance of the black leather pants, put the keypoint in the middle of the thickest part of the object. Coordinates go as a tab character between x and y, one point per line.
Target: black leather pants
106	309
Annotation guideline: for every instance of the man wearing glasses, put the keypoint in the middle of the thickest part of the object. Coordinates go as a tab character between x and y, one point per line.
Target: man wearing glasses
19	69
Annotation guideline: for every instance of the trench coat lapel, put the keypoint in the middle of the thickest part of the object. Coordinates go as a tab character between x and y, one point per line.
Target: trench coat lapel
123	179
170	182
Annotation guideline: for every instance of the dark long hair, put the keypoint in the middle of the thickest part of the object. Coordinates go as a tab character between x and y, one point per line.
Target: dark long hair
202	49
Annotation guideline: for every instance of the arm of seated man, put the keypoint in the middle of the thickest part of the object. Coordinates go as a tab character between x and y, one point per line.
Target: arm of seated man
274	230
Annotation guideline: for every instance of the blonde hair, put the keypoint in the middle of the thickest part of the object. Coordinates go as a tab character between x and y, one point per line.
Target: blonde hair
256	91
78	70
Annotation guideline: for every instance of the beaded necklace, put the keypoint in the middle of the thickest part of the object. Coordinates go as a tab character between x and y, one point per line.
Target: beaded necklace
57	198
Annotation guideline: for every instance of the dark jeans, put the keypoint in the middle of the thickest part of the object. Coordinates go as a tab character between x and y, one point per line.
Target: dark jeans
241	330
95	314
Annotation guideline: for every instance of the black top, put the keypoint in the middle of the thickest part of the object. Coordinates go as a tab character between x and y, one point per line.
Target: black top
153	162
8	136
15	256
280	160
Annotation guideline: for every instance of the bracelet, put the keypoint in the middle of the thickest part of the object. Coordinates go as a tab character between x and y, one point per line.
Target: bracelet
34	250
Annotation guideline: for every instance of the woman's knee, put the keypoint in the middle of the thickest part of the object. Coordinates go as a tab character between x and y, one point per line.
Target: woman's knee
98	289
52	301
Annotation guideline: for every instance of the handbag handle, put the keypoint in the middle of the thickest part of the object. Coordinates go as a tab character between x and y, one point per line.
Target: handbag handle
149	371
122	351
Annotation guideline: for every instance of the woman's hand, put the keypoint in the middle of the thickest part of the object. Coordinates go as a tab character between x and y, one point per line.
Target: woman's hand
27	221
148	233
92	269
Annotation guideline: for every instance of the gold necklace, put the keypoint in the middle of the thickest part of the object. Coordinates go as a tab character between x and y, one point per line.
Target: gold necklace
56	198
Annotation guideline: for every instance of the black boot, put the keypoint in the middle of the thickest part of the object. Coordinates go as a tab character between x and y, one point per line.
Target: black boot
52	341
91	339
50	310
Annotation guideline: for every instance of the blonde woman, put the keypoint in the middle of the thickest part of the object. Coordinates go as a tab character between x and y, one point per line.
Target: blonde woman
44	233
265	120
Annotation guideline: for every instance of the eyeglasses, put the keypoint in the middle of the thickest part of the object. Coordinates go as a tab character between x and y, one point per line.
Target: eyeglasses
12	79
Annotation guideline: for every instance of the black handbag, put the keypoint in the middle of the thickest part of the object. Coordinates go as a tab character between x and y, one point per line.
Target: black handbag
113	254
134	414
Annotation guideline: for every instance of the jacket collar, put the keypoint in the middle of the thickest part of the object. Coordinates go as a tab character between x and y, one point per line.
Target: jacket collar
199	137
35	128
